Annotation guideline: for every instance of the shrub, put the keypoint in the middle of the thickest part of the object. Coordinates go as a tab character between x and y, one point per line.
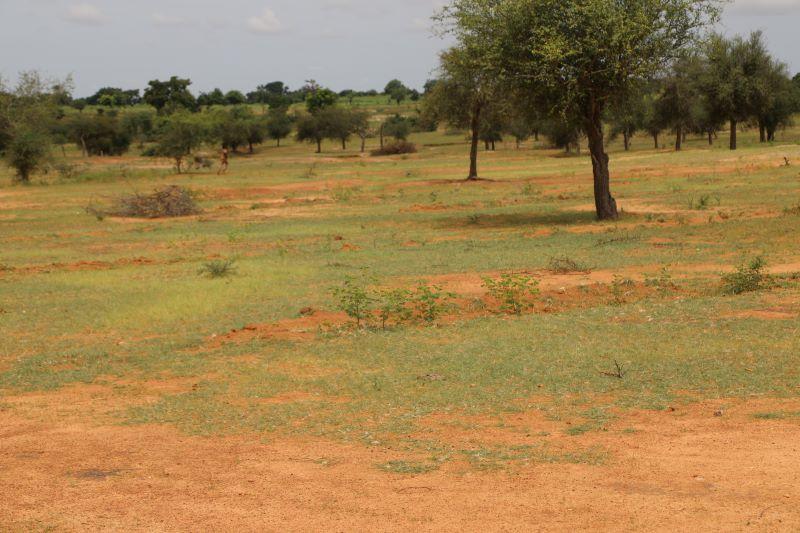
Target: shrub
566	265
513	291
749	277
169	201
355	299
218	268
430	302
662	282
393	305
26	152
396	148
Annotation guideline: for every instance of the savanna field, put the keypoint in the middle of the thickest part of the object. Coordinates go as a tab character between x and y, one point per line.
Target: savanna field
538	366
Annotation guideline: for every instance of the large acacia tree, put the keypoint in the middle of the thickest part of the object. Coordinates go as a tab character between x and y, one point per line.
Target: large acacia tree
577	56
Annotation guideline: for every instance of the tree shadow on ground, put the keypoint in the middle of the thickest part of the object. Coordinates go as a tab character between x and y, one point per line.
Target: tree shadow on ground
511	220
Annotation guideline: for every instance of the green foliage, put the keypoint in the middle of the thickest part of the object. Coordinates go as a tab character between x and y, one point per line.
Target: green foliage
395	148
178	135
397	127
430	302
278	124
749	277
393	305
320	98
662	282
170	96
27	151
513	291
218	268
100	134
355	298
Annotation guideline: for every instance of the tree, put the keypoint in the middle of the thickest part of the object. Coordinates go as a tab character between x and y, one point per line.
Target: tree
180	134
28	115
279	124
170	96
397	127
361	127
235	98
463	95
311	129
114	97
26	151
679	95
577	56
215	97
777	109
628	115
231	127
99	134
139	125
338	124
320	98
734	80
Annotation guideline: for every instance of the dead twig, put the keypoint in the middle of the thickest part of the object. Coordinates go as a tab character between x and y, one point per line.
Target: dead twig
618	373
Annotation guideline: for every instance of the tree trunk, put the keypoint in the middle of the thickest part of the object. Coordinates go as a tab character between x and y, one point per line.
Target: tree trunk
655	140
250	147
517	144
678	138
710	139
605	204
381	136
493	147
319	146
473	152
733	134
536	135
344	144
762	131
83	147
771	134
279	142
626	141
363	144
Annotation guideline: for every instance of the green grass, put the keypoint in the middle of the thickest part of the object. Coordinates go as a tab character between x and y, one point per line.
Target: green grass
86	301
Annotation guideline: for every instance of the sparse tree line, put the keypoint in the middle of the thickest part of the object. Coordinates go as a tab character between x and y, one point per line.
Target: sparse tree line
590	70
577	72
34	117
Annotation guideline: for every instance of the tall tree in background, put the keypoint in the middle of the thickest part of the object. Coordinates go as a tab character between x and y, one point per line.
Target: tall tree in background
577	56
279	124
679	96
170	96
463	94
735	79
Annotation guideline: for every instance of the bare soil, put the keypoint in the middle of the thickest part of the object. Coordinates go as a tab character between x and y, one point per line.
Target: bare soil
683	469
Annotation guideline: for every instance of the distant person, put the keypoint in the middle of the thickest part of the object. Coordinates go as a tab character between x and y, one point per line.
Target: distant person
223	162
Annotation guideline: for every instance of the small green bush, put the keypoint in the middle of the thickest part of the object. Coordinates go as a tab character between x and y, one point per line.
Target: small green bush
513	291
430	302
749	277
355	299
218	268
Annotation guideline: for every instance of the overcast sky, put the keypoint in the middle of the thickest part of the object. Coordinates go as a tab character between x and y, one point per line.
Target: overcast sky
240	44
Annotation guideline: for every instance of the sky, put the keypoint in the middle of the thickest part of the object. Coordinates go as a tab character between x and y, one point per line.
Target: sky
239	44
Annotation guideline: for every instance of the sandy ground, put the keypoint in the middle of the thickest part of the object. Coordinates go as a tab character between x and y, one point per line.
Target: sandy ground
686	469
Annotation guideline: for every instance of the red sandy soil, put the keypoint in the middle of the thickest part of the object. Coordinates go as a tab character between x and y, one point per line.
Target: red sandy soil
684	469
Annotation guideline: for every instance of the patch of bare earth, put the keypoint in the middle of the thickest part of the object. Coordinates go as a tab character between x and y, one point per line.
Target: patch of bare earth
685	470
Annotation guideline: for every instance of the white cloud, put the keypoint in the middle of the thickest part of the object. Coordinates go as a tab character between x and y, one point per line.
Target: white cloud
267	22
85	14
160	19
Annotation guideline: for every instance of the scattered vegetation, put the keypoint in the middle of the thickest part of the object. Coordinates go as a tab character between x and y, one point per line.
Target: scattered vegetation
749	277
218	268
515	292
566	265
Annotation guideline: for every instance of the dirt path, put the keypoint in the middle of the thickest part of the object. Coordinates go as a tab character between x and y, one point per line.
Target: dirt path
684	470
